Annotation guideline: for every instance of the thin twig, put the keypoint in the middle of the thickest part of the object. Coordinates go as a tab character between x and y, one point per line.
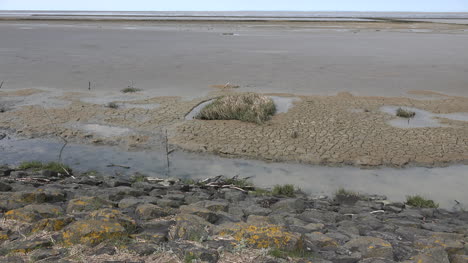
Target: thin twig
89	85
61	137
167	155
1	84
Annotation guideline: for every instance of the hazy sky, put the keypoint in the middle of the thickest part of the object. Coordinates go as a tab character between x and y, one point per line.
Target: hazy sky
225	5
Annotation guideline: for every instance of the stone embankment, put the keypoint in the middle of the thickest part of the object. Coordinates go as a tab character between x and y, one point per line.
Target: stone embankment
48	216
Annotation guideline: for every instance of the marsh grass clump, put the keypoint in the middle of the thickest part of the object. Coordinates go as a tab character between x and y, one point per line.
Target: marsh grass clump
249	107
296	253
130	90
344	192
112	105
284	190
405	113
51	166
420	202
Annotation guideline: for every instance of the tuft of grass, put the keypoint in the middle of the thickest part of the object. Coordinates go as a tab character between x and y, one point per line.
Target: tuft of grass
344	192
190	258
296	253
405	113
284	190
248	107
138	178
130	90
239	182
51	166
30	165
420	202
112	105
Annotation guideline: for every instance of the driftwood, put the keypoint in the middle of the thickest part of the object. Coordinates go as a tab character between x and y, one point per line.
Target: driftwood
118	165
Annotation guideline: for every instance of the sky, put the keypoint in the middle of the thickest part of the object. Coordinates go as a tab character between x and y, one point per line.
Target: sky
239	5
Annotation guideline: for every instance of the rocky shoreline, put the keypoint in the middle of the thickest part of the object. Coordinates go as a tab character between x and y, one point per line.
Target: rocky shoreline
52	215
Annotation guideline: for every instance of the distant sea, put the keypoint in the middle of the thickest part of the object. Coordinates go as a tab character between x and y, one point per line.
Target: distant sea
232	15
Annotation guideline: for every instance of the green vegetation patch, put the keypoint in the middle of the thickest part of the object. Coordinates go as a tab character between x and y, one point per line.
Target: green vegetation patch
405	113
51	166
248	107
284	190
130	90
421	202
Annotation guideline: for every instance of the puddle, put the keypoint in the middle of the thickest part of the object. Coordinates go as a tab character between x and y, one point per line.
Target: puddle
191	115
104	130
283	104
444	185
422	119
104	100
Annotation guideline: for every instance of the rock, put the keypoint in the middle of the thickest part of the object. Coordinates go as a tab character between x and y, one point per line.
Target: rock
156	231
92	232
87	203
142	249
371	247
192	253
290	205
5	170
190	227
262	236
150	211
5	187
32	213
158	192
217	206
114	215
204	213
434	255
452	243
233	195
195	197
459	259
316	241
376	260
52	224
121	192
39	196
257	220
26	246
169	203
256	210
318	216
43	253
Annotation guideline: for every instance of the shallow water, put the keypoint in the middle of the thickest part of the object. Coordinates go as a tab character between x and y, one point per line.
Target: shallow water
422	119
441	184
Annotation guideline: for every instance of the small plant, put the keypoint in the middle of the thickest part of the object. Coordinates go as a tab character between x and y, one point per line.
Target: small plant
138	178
239	182
30	165
190	258
420	202
344	192
51	166
405	113
112	105
296	253
130	90
284	190
249	107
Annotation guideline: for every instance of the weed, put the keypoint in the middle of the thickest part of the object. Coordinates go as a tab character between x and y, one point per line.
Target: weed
284	190
130	90
30	165
138	178
241	183
405	113
112	105
296	253
344	192
190	258
421	202
249	107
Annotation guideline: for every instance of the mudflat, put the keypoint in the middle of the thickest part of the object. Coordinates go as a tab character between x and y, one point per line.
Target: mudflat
60	76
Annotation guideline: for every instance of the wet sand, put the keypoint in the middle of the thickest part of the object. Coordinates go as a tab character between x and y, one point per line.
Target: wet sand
187	58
